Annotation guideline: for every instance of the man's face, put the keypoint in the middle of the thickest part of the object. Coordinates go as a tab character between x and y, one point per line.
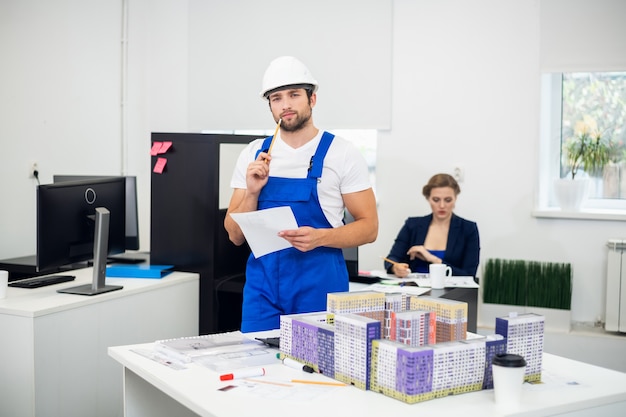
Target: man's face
293	106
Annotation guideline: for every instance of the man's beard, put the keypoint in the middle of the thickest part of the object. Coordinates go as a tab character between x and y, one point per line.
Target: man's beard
298	123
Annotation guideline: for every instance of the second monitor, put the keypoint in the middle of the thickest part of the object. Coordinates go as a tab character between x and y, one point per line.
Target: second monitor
132	218
66	219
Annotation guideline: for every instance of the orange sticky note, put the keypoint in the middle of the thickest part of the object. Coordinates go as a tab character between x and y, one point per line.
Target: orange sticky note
160	165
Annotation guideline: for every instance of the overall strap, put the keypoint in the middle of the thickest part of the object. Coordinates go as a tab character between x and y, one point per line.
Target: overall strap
317	160
265	146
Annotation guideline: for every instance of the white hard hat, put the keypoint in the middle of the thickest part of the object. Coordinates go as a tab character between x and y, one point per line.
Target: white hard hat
287	71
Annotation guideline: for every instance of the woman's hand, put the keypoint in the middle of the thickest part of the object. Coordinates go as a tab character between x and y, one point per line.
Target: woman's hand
401	270
420	252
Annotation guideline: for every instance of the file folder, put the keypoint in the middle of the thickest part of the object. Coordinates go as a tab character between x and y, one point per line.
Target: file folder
138	271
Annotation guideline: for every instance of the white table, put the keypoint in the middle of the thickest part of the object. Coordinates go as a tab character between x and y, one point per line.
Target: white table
54	346
152	389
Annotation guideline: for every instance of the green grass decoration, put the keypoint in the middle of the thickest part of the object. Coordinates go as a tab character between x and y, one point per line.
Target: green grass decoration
528	283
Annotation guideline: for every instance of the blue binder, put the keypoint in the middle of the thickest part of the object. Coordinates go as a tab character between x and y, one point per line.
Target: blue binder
138	271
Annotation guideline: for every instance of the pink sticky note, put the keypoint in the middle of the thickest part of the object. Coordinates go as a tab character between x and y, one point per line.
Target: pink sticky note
160	165
156	147
165	146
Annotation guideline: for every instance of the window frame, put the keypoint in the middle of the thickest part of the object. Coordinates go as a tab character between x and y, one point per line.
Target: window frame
549	161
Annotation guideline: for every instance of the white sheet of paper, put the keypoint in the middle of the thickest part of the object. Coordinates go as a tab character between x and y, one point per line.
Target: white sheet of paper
261	228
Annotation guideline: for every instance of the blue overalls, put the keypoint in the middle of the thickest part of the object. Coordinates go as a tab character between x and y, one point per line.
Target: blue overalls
290	281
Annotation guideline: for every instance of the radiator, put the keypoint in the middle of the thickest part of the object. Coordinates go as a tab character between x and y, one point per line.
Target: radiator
616	286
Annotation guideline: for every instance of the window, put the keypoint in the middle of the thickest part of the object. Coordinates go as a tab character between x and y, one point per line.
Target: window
591	106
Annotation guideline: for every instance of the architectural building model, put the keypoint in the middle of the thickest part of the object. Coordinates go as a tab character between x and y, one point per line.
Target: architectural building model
353	342
524	336
451	316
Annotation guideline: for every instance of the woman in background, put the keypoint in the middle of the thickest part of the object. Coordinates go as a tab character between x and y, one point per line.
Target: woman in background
440	237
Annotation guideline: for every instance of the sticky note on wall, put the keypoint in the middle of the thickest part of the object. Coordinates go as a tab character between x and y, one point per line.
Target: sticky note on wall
160	165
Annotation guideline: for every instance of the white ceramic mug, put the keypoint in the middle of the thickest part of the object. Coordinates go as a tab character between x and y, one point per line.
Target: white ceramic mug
438	274
4	281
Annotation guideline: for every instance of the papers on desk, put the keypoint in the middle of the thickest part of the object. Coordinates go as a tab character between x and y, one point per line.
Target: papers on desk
386	288
451	282
261	228
160	358
219	352
279	390
384	275
423	280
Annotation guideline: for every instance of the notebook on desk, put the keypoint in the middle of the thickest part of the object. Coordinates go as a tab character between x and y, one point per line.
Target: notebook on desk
138	271
451	282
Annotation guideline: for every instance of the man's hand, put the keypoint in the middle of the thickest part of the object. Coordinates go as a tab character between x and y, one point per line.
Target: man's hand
258	173
303	238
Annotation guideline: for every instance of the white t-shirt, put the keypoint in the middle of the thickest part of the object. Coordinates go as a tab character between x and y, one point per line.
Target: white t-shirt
345	170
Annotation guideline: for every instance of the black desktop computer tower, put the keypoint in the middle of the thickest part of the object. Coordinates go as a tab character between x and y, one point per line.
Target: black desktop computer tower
189	196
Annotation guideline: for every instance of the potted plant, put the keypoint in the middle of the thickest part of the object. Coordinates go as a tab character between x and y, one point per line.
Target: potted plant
588	150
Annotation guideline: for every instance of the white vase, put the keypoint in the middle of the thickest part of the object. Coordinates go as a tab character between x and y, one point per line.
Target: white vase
570	193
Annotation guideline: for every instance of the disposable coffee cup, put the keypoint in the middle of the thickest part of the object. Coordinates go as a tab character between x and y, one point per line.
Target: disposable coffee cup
438	274
4	282
508	377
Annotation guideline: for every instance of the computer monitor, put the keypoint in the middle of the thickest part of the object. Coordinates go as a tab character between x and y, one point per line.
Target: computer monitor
132	217
66	220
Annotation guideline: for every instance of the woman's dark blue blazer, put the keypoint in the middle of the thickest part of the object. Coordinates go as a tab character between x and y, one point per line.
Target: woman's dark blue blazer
462	249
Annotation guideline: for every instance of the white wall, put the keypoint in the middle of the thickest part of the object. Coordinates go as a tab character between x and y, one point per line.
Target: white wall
465	92
59	102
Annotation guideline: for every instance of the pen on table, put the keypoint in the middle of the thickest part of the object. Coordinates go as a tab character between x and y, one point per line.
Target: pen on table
296	365
243	373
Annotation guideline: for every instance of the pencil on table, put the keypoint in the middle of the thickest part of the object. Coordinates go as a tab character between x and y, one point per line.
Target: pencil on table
333	384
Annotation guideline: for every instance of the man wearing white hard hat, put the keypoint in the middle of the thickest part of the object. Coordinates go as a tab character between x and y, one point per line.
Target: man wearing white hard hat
318	175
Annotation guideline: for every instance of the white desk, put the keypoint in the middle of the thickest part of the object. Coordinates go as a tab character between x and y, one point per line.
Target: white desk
54	346
152	389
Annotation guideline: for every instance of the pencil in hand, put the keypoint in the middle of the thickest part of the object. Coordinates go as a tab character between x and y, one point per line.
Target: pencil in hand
390	261
269	151
395	263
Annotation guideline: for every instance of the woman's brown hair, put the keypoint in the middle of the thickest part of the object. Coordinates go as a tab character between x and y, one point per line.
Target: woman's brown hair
441	180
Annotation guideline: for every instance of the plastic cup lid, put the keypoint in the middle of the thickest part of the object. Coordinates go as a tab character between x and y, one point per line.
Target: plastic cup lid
508	360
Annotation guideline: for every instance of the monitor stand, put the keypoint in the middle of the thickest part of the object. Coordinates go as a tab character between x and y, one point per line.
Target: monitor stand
100	245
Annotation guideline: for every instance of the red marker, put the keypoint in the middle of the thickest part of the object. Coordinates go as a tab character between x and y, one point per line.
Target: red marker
243	373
